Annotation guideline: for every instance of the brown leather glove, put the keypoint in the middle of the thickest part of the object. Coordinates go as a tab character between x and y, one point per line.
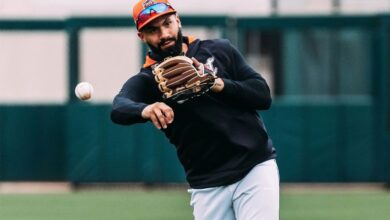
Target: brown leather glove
180	80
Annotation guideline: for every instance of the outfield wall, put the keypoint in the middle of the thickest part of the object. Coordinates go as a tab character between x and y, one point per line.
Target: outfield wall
336	133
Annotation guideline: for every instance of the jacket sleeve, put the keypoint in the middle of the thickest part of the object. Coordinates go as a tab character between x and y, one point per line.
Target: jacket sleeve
245	87
134	96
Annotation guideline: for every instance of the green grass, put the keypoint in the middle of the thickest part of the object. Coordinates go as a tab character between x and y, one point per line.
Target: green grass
174	205
335	206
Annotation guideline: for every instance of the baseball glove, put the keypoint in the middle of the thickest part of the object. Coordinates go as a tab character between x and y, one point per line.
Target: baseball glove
179	80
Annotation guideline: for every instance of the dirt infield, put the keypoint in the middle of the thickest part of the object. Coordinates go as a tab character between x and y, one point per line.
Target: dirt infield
34	187
67	187
333	187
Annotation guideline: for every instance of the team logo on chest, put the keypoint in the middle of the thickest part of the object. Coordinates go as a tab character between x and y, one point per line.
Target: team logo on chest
210	65
148	3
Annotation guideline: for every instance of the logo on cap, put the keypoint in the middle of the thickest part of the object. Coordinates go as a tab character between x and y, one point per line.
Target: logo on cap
148	3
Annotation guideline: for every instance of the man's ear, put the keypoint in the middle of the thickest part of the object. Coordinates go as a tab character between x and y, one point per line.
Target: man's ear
141	36
178	20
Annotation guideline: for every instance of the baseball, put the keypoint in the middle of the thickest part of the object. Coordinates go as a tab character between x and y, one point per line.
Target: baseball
84	91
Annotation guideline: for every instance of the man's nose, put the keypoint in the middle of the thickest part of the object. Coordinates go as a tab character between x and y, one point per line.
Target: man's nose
165	33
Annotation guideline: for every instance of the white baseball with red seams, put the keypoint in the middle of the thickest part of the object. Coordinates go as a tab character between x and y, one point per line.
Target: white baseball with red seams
84	91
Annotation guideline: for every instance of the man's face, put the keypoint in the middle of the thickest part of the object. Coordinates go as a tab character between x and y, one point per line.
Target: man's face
163	35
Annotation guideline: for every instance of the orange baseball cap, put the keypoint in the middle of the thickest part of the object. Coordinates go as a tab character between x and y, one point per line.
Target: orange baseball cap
146	11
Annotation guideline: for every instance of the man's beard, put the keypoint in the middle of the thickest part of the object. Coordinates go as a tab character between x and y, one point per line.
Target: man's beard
174	50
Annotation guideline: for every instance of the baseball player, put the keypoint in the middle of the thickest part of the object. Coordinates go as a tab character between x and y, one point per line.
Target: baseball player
204	96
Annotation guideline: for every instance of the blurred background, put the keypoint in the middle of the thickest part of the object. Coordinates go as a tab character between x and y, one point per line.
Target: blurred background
326	61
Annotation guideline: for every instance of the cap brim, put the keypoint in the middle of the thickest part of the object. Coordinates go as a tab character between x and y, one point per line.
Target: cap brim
170	11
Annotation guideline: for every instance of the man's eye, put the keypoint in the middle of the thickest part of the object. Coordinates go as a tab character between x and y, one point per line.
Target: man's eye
153	30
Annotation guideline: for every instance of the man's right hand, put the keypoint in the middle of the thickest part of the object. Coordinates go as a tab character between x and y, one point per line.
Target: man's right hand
159	113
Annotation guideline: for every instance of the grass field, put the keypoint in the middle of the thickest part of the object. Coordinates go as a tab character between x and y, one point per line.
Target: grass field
174	205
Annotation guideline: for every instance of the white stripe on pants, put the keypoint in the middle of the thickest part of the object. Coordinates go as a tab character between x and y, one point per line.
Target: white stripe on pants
255	197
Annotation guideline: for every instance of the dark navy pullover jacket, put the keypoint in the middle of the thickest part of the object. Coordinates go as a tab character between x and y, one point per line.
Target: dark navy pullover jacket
219	137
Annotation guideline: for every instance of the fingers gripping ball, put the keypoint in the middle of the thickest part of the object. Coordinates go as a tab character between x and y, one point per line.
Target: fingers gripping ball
84	91
179	80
